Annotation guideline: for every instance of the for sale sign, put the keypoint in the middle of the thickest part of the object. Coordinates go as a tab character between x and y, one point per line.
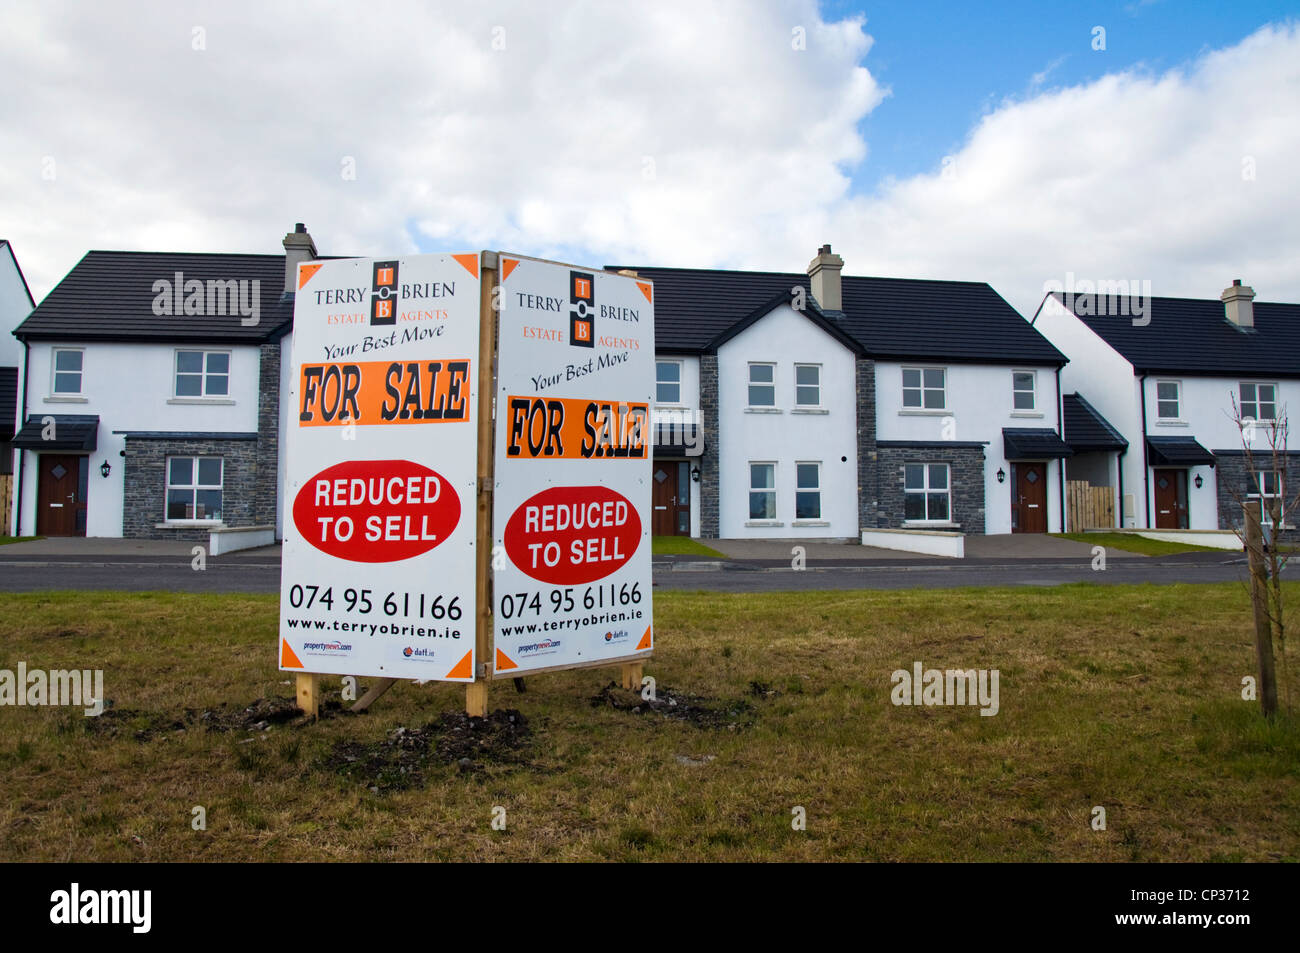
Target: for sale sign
571	510
381	449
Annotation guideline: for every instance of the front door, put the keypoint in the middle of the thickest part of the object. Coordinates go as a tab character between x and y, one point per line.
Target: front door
671	499
1171	499
1029	497
61	495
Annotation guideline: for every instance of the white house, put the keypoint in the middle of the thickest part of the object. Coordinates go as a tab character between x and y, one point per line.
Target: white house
15	303
1164	375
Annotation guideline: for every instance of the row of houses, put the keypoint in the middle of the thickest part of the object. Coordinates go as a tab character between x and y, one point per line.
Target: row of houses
805	404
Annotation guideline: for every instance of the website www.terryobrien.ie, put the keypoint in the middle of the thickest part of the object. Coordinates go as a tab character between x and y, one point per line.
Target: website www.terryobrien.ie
600	618
372	628
1171	919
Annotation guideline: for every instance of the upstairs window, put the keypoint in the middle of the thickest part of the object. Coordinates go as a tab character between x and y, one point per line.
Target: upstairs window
202	373
807	385
1168	399
762	385
668	382
1022	390
67	371
924	388
1259	401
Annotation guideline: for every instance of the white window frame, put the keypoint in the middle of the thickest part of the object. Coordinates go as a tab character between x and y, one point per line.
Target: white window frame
749	511
803	490
1254	491
194	486
201	375
1241	401
818	386
55	372
1177	400
751	384
926	491
1033	391
681	372
922	389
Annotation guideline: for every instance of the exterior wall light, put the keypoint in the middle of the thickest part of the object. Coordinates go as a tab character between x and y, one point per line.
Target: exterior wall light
695	474
1002	475
1199	481
105	469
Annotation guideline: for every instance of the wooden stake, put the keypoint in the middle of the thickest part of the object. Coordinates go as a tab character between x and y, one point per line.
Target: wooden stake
309	693
476	693
1259	600
373	692
632	675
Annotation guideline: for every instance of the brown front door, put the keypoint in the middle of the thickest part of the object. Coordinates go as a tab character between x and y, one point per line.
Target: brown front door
671	499
1171	499
61	495
1029	497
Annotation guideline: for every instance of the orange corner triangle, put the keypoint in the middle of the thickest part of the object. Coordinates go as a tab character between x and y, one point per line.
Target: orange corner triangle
504	663
508	265
464	668
470	262
287	658
646	641
646	289
306	270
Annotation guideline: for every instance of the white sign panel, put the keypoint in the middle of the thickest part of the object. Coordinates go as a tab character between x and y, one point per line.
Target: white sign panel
379	533
571	508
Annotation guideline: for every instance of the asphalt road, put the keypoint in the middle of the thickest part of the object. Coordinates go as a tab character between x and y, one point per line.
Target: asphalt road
137	574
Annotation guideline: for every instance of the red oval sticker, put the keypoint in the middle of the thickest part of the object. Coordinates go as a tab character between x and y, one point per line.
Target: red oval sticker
572	534
376	511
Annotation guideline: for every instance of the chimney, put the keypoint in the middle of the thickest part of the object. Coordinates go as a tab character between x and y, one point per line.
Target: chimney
824	270
1237	305
298	247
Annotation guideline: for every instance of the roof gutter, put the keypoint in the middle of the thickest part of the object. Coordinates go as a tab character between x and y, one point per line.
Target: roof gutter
1060	464
22	454
1146	463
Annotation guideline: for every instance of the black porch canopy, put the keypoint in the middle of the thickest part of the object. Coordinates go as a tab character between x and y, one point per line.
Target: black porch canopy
1033	444
75	432
1177	452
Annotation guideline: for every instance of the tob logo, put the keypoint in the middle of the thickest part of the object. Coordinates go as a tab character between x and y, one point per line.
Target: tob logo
582	309
383	298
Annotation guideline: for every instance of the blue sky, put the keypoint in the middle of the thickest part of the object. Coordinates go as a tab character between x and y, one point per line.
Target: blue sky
948	63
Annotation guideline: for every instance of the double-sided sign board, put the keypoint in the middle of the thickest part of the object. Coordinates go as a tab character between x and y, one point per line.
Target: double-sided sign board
575	381
379	562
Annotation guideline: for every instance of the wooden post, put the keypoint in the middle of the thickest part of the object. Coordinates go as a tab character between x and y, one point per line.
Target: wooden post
632	675
309	693
1259	601
476	693
375	690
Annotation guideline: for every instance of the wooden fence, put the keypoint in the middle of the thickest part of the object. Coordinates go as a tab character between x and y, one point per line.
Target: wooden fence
6	502
1088	506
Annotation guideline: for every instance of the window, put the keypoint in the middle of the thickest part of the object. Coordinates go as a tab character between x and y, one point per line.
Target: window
762	385
668	382
923	388
807	385
202	373
1266	487
762	491
1167	399
194	488
67	370
1022	390
808	491
925	492
1259	401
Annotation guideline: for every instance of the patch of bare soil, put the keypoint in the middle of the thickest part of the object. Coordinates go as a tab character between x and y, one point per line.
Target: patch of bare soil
260	715
403	758
698	710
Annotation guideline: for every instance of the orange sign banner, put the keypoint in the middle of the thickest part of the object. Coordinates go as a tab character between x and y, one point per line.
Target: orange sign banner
369	393
575	428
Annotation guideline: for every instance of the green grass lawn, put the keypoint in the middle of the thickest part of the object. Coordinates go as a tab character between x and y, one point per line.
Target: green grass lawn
17	539
1127	698
680	546
1132	543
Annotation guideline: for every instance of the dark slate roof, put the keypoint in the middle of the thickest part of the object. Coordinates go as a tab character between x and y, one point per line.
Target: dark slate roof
1177	452
71	432
890	318
1192	335
1033	443
1085	429
8	402
109	295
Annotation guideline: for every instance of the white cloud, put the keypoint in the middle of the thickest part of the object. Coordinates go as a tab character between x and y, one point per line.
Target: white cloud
673	133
